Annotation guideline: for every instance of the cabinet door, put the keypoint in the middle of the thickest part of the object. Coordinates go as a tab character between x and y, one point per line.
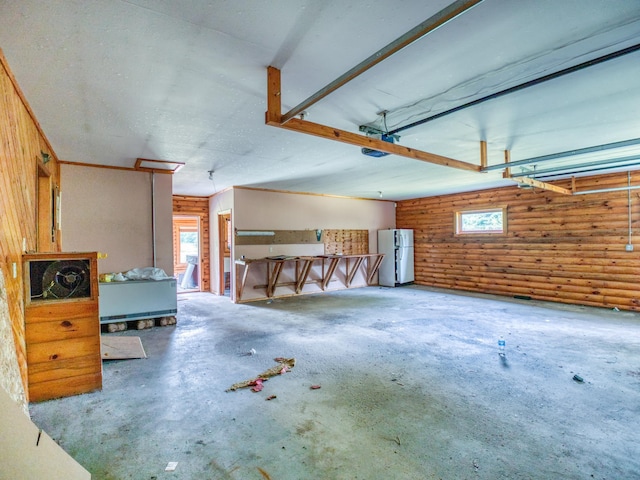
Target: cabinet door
63	349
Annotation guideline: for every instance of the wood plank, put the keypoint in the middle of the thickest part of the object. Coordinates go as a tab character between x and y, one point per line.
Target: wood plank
483	154
55	351
274	96
64	387
71	367
373	264
273	270
61	329
302	276
330	133
328	275
44	311
352	269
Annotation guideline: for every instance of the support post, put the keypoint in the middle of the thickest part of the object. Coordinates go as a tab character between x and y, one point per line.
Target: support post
507	159
274	97
483	154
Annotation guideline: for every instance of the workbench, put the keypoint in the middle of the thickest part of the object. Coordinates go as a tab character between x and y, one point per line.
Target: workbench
281	276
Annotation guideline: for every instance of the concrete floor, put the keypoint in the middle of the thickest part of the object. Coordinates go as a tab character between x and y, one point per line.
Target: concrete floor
412	388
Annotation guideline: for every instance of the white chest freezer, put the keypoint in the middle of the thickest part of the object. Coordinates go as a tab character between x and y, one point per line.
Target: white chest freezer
137	300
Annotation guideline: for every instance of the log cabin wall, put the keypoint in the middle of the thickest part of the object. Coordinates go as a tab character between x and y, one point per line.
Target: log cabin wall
22	172
563	248
198	206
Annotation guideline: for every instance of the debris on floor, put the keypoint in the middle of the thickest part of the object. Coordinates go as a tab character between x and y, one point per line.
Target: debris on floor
578	378
284	365
315	387
257	384
171	466
271	397
264	474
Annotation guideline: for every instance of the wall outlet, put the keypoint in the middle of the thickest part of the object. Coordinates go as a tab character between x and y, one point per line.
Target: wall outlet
14	268
24	244
629	247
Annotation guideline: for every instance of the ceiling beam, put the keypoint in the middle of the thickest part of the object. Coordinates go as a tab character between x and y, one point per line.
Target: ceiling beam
273	118
444	16
344	136
543	185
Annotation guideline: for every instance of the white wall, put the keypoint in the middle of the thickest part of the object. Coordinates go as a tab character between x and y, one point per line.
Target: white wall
219	203
266	210
164	221
109	211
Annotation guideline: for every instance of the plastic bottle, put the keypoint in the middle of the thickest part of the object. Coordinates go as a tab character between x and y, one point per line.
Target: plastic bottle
501	345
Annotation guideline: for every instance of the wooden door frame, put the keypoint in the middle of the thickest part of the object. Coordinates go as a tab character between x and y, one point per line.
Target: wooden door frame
200	249
221	251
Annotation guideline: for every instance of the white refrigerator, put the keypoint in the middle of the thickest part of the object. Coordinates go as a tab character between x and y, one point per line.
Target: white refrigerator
397	266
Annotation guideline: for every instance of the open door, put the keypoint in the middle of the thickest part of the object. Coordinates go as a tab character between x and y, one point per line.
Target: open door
225	279
186	253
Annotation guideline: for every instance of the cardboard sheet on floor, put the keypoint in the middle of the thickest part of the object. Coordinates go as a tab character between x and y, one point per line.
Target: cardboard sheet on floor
121	348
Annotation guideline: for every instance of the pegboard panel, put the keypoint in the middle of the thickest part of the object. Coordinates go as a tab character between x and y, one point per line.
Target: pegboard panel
346	242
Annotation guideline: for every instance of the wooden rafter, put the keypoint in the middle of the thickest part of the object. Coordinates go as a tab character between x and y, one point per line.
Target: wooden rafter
273	118
543	185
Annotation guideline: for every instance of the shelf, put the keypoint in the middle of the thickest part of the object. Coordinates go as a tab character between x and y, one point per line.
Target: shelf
281	276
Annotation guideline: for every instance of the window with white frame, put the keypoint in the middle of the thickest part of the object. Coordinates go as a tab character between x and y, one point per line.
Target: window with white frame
481	221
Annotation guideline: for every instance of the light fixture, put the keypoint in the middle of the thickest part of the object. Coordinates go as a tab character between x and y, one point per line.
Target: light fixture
45	157
211	174
255	233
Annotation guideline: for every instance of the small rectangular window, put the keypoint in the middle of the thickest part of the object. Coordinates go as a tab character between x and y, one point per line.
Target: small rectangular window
482	221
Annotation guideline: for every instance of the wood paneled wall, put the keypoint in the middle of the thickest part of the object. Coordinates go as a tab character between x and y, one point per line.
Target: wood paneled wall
198	206
21	144
569	249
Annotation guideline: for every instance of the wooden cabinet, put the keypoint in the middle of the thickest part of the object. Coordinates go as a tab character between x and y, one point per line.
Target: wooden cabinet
62	327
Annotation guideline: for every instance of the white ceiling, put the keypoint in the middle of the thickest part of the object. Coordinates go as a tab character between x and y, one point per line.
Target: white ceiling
114	80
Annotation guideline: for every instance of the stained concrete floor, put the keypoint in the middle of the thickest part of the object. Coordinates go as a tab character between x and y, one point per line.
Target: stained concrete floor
412	387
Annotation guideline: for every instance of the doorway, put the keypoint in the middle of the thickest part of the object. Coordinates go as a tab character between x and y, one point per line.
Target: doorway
186	253
225	279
